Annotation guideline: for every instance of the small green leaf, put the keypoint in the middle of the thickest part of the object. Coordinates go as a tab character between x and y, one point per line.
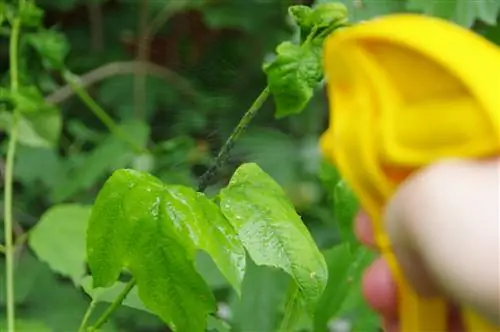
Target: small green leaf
328	15
201	221
293	75
59	239
52	47
31	15
29	99
129	229
41	129
110	294
40	123
300	15
345	209
271	230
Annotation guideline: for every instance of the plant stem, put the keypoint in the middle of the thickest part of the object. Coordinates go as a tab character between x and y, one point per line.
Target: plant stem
116	303
102	115
9	176
223	154
87	315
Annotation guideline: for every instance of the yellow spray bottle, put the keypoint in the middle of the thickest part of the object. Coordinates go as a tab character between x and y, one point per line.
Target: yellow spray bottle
404	91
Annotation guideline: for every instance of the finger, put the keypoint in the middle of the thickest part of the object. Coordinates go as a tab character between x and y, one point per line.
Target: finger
363	229
379	289
444	228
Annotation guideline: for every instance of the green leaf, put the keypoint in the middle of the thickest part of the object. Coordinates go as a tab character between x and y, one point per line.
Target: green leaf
262	293
31	15
29	99
27	271
328	15
271	230
40	123
52	47
345	269
345	209
129	229
200	220
59	239
41	129
293	75
108	295
217	324
300	15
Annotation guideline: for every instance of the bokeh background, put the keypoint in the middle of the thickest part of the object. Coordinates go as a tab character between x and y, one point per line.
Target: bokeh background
203	60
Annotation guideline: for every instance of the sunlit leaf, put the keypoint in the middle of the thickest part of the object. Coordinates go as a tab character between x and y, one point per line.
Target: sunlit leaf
59	239
201	220
129	229
271	230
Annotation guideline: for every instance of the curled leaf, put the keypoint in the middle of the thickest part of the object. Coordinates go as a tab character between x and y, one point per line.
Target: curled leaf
293	75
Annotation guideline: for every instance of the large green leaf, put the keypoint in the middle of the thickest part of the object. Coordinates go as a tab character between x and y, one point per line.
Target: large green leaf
130	228
200	219
271	230
59	239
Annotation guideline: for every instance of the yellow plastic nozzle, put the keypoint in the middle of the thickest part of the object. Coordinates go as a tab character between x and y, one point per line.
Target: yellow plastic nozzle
405	91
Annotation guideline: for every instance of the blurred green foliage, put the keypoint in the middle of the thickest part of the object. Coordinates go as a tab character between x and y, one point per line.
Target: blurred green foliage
205	68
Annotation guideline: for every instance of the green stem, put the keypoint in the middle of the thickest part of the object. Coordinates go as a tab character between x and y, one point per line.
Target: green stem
86	318
101	114
9	177
116	303
223	154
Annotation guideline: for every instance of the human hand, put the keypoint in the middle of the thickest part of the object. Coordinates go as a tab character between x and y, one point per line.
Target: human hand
444	224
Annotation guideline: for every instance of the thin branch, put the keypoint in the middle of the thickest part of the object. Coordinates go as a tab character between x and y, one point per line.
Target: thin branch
116	303
101	114
9	175
125	68
223	154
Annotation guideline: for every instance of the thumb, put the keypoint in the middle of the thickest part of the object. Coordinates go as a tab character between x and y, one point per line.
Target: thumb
444	226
